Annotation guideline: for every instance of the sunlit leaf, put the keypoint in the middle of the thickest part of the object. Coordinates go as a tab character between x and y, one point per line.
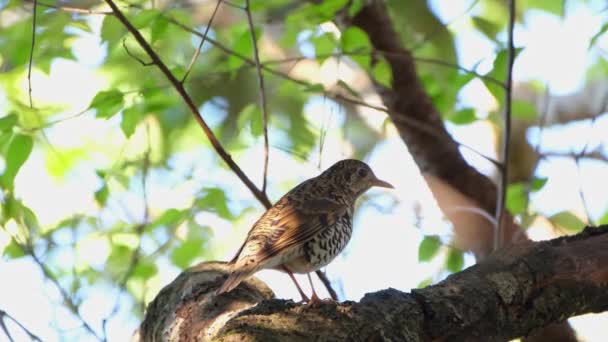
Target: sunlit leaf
355	43
130	118
382	73
426	282
145	17
8	122
488	28
107	103
252	115
567	221
325	45
215	200
169	218
538	183
19	150
145	270
499	72
355	7
523	110
551	6
455	260
463	116
13	250
101	195
428	248
188	250
517	198
597	35
315	88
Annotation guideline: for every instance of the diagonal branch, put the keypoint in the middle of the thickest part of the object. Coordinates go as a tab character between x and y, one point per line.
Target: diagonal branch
29	65
190	103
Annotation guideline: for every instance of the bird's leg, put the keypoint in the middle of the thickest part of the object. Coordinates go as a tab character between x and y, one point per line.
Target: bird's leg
305	298
314	299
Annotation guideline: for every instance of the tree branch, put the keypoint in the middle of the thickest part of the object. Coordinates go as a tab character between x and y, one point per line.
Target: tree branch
512	293
190	103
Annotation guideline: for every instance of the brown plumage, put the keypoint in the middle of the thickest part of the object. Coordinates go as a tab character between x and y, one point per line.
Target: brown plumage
307	228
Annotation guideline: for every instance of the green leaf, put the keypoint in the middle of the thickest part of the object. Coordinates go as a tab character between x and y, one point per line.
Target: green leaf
158	29
523	110
8	122
243	46
130	118
183	255
538	183
455	260
145	18
170	217
567	221
325	45
101	195
382	73
488	28
499	72
107	103
550	6
111	31
428	248
19	150
355	7
517	198
145	270
355	41
596	36
426	282
315	88
251	114
463	116
13	250
214	200
604	219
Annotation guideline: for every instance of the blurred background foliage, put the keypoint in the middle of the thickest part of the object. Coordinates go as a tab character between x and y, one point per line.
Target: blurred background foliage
107	180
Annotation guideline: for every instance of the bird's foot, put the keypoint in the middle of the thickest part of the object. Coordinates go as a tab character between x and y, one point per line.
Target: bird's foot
304	299
315	301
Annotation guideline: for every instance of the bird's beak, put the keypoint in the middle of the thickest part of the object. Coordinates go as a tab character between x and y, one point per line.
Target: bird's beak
381	183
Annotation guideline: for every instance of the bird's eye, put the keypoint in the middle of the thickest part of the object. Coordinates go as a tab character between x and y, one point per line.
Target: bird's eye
362	173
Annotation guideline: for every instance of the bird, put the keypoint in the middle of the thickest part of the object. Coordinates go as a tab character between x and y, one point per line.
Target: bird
305	229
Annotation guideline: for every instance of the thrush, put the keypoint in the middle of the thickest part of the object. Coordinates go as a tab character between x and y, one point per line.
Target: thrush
307	228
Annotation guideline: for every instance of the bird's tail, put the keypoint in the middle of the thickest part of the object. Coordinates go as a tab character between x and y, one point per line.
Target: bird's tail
238	273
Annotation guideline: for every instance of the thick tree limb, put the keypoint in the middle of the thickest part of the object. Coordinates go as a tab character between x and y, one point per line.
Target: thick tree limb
512	293
438	158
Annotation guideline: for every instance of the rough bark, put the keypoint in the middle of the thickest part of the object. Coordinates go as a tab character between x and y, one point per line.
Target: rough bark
512	293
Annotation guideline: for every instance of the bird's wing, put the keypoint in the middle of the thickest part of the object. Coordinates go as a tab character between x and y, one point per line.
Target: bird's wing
294	224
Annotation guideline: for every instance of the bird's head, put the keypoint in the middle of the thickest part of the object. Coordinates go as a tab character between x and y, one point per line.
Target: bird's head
353	175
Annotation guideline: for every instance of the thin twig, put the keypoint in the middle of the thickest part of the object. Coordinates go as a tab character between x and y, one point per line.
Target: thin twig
74	9
30	334
65	296
389	53
29	66
200	45
190	103
124	45
256	55
502	189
